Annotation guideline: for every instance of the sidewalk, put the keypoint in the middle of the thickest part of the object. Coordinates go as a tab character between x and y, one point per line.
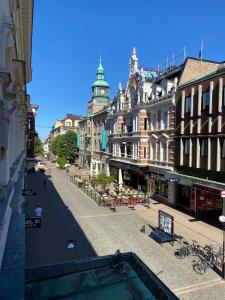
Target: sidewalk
184	225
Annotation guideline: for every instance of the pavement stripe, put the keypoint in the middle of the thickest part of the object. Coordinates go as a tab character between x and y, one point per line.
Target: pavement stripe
197	286
106	215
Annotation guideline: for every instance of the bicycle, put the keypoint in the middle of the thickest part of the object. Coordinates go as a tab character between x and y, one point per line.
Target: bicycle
202	265
189	249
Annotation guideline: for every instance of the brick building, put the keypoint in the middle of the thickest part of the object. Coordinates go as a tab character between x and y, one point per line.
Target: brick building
200	141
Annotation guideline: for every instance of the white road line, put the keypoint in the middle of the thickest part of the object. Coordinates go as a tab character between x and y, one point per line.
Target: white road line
197	286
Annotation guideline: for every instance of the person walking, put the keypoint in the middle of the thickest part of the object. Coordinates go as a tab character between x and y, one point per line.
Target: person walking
38	211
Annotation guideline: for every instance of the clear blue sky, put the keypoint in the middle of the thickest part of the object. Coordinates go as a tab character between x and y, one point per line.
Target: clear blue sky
69	36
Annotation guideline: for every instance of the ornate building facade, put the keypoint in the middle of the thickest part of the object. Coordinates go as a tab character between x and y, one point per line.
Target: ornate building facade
15	72
140	128
92	133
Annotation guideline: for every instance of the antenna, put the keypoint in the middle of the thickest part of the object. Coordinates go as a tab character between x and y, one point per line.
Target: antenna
173	61
184	53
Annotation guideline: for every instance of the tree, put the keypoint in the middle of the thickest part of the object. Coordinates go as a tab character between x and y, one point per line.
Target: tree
65	146
103	179
38	148
61	161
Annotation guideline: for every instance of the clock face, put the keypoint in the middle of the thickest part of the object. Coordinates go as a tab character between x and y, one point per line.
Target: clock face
102	91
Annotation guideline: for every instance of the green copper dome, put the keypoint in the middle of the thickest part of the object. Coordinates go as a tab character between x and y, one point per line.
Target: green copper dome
100	82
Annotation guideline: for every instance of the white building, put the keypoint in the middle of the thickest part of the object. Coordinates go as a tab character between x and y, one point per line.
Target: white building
15	71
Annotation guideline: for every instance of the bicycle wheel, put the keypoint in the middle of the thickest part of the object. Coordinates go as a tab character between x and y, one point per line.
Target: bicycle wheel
182	253
200	267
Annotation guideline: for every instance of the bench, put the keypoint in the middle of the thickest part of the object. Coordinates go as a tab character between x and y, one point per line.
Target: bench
162	237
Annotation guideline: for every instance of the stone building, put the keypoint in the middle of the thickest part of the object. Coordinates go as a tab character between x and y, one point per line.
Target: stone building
31	134
15	72
61	126
200	141
92	132
140	128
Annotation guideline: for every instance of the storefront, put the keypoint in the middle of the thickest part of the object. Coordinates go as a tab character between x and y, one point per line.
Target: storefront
205	200
158	185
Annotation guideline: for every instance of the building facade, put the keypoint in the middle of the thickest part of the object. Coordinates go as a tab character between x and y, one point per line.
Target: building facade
141	126
92	129
69	123
200	142
15	72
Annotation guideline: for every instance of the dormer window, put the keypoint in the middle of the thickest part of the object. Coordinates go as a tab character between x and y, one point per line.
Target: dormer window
68	123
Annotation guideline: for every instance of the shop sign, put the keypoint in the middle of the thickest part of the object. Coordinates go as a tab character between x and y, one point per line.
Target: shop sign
174	179
33	223
166	222
222	194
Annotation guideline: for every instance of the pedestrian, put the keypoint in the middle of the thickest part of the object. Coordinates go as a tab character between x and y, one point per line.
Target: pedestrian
38	211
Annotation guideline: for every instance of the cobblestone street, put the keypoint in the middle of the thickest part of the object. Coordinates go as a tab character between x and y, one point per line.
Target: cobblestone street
69	213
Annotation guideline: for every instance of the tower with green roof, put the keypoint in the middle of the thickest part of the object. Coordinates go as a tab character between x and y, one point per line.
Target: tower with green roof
100	91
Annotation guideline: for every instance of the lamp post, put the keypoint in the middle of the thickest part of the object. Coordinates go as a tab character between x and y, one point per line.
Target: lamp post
222	220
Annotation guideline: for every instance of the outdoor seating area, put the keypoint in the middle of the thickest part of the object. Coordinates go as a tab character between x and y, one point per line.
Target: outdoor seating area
113	196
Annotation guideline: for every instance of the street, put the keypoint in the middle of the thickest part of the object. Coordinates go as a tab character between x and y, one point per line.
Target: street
69	214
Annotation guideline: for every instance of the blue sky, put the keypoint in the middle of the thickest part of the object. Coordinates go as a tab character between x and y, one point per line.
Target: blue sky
69	36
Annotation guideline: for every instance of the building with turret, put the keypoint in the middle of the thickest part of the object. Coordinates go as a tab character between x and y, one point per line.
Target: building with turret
93	144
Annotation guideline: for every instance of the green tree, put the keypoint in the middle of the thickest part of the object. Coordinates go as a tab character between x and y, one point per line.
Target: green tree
103	179
38	148
61	161
65	146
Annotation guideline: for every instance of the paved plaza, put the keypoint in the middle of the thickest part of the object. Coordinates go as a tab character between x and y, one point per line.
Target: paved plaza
69	213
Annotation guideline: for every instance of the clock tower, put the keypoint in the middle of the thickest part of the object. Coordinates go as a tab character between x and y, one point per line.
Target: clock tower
100	91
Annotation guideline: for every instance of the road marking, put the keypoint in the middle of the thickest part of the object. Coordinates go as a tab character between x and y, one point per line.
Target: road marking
106	215
197	286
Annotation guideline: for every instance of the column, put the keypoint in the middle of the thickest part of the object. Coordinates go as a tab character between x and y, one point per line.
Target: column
125	150
209	155
218	156
219	125
198	153
211	96
192	101
181	152
190	152
199	108
182	104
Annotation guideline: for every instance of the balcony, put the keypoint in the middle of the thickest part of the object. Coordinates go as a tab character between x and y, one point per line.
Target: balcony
160	163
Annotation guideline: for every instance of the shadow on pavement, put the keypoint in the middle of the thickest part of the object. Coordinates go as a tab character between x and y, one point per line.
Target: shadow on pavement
48	244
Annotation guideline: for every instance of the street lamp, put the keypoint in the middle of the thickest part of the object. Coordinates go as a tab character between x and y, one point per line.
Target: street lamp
222	220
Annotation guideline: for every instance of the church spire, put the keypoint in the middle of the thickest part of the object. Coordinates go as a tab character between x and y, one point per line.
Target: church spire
100	72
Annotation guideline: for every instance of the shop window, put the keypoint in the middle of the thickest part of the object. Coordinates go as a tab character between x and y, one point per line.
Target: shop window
223	149
188	104
145	123
205	100
186	146
204	148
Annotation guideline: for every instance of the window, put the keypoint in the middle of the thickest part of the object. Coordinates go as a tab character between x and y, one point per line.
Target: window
145	123
223	95
165	119
68	123
188	104
154	151
204	148
223	148
145	152
154	122
186	146
205	100
164	151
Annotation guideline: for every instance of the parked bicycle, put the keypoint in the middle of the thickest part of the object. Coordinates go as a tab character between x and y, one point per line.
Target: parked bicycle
209	259
188	249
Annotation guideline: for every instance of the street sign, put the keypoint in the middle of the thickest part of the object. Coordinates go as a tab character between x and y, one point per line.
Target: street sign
174	179
33	223
222	194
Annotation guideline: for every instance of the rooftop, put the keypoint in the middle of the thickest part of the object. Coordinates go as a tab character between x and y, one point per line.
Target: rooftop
108	277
